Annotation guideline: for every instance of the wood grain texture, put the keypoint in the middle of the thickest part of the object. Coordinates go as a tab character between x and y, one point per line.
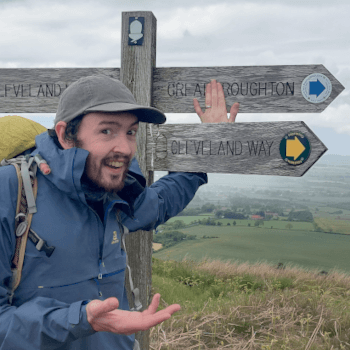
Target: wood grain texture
38	90
258	89
137	74
137	70
227	148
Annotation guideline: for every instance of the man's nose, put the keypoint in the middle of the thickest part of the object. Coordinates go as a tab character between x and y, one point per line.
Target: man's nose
122	145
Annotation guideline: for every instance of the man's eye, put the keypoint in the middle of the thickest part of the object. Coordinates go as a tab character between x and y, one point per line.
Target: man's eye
132	132
106	131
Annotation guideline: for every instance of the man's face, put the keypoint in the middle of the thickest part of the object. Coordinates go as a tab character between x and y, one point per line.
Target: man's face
111	140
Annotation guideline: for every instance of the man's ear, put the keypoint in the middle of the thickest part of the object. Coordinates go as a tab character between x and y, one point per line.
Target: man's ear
60	129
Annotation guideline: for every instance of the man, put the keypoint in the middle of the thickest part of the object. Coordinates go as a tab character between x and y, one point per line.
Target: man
94	195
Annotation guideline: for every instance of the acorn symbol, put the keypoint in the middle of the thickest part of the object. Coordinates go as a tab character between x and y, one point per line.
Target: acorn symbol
135	31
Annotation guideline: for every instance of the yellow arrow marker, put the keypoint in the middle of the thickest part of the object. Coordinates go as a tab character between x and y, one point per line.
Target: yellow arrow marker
294	148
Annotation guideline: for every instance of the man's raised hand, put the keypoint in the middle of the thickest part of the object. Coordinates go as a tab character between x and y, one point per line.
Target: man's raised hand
104	316
215	104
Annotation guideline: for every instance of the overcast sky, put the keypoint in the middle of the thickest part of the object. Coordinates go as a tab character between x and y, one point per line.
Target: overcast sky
74	33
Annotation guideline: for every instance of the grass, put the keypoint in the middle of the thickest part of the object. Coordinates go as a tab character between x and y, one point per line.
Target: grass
156	246
279	224
333	225
251	244
328	212
250	306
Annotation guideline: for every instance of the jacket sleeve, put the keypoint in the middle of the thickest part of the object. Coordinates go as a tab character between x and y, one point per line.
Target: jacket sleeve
164	199
40	323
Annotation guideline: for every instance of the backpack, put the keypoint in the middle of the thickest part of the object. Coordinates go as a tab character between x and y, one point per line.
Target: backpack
18	141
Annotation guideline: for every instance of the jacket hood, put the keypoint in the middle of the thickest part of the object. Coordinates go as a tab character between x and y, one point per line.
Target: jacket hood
67	168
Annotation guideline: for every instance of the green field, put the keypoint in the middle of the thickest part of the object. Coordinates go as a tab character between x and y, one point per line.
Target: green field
328	212
333	225
279	224
306	249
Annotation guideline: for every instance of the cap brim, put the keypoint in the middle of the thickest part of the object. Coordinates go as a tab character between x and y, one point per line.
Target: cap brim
143	113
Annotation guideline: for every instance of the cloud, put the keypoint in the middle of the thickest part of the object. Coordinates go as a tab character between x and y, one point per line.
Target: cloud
37	33
87	33
75	33
251	33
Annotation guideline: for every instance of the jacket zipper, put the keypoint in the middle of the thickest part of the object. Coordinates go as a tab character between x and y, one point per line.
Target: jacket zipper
100	263
99	276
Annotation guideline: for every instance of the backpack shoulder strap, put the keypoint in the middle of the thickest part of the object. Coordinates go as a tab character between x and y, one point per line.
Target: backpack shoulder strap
22	226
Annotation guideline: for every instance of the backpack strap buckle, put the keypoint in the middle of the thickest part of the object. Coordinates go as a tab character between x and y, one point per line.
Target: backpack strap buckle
40	244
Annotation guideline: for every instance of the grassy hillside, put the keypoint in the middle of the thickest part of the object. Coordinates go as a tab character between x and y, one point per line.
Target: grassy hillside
280	224
306	249
241	306
333	225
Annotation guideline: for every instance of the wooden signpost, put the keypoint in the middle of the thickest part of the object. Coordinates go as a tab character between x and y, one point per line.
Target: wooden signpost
258	89
276	148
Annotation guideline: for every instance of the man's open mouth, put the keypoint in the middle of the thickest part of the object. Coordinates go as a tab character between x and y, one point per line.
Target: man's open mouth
115	165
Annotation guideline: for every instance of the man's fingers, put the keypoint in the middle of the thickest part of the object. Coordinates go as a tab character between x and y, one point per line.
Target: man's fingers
152	320
208	95
152	309
172	308
197	108
169	310
233	112
159	318
221	98
215	104
107	305
214	93
153	306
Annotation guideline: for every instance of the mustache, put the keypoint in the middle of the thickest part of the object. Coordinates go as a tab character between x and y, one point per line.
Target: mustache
118	158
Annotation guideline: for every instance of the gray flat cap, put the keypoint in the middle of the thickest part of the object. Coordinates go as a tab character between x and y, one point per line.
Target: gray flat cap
100	93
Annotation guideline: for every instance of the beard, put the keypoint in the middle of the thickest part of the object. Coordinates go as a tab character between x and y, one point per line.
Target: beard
102	176
98	175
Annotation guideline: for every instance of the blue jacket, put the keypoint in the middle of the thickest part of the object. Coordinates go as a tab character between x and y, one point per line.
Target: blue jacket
48	309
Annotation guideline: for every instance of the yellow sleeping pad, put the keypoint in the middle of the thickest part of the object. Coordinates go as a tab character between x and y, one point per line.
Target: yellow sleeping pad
17	134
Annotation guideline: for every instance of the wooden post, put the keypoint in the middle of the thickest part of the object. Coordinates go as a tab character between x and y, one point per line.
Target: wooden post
137	63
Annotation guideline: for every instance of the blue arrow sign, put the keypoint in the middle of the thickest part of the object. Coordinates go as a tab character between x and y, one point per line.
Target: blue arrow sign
316	88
